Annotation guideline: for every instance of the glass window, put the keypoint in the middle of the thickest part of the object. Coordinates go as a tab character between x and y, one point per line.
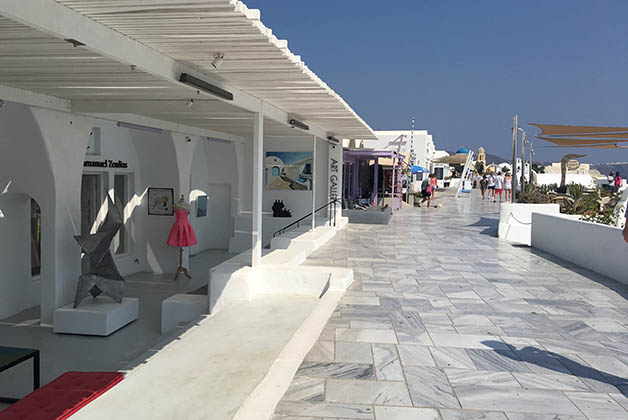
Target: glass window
121	198
35	238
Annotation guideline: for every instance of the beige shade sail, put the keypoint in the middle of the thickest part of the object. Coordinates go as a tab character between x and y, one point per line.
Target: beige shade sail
584	130
596	146
562	141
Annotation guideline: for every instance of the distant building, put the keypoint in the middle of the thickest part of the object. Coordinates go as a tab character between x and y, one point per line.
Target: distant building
423	144
482	156
583	175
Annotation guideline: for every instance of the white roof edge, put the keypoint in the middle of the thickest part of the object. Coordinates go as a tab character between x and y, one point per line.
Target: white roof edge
255	15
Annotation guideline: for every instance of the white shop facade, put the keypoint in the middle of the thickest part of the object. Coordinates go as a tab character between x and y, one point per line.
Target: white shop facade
56	170
76	133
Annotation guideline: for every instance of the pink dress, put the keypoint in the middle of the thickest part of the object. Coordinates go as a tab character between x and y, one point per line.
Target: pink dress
181	233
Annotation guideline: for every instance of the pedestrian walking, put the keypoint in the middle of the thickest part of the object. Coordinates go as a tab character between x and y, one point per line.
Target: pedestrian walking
426	191
483	186
491	186
499	187
434	185
617	182
508	186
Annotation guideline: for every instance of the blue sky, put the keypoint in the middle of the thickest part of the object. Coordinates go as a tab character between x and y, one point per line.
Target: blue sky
462	68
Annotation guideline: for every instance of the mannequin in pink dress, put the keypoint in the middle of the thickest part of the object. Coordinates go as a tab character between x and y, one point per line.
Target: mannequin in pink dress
181	233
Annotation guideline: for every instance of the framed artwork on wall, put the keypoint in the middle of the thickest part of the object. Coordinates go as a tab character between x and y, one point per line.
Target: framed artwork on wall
201	206
288	171
160	201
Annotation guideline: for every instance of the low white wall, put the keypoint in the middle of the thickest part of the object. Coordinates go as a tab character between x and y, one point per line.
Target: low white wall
598	247
515	220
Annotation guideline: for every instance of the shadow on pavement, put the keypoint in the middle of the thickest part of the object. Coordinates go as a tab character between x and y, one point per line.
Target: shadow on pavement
556	362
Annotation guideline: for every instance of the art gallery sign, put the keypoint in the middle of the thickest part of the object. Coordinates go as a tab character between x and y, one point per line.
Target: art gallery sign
333	176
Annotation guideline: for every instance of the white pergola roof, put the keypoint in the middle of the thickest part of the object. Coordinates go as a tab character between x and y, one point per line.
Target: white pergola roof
135	51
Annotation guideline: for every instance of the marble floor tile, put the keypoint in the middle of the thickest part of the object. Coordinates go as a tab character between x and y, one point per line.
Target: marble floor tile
304	389
360	300
405	413
336	370
497	360
451	414
550	381
429	387
344	411
598	406
415	355
515	400
373	325
464	377
387	364
468	341
352	352
365	335
413	336
367	392
322	351
536	416
450	357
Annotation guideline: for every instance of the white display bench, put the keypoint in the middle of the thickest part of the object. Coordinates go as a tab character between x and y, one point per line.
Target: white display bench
96	316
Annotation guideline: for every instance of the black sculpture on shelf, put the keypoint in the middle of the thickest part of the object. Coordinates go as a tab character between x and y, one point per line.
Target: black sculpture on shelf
280	210
99	271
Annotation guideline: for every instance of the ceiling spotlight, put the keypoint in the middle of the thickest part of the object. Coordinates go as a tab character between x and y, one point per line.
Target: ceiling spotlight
218	59
190	103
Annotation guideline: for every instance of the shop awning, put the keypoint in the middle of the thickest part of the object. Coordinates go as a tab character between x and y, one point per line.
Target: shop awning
453	160
127	57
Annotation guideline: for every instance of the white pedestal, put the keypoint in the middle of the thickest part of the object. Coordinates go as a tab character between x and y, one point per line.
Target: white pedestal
100	316
182	308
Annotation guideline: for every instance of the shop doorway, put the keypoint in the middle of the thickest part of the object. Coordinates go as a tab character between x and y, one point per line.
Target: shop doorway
91	201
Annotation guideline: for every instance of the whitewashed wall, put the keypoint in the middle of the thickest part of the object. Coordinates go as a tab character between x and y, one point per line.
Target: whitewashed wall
598	247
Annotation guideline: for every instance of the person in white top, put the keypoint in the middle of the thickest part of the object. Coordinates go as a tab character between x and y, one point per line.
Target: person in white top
499	186
491	186
507	186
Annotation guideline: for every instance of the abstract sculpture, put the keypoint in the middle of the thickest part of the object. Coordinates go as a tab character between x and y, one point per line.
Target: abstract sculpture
99	272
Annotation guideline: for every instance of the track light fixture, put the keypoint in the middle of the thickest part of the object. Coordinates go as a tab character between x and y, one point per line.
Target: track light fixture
205	87
139	127
218	59
190	103
299	124
333	139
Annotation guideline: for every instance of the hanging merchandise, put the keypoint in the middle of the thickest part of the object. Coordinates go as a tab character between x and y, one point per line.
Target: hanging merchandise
181	234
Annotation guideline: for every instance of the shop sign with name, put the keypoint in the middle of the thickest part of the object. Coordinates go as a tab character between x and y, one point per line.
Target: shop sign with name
106	163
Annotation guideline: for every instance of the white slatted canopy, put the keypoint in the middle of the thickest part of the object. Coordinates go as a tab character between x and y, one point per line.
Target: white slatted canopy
135	51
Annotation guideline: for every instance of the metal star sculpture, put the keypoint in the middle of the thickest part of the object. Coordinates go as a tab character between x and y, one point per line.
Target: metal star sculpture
100	274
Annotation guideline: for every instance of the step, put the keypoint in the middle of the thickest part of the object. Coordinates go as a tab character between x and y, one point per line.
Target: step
236	364
306	241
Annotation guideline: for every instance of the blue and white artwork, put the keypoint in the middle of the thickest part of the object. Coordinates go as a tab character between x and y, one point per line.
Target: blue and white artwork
288	171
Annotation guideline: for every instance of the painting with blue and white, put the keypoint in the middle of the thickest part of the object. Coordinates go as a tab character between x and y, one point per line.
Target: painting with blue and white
288	171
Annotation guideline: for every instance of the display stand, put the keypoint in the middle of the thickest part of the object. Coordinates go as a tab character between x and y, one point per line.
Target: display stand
181	268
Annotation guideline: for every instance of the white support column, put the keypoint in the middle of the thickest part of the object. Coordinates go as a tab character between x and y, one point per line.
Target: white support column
258	176
314	185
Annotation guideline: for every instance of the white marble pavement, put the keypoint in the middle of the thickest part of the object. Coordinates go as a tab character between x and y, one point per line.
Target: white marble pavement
444	321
